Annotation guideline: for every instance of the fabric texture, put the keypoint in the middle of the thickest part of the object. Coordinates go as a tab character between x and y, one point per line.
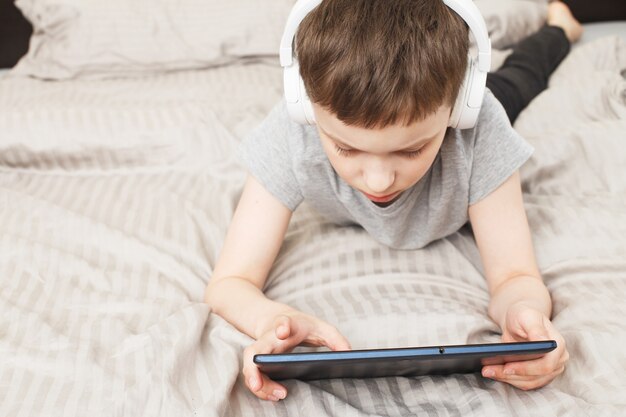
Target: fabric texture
120	38
288	159
115	196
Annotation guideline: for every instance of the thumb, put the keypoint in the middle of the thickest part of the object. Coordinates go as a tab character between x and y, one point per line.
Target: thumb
527	323
537	332
333	338
282	327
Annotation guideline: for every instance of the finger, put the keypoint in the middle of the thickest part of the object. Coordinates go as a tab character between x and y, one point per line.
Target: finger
536	329
529	368
265	388
493	371
542	366
260	385
529	383
271	390
332	338
268	389
527	324
517	369
537	367
537	332
283	326
251	372
502	376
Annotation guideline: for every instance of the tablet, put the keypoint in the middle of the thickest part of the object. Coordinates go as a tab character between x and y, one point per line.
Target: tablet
414	361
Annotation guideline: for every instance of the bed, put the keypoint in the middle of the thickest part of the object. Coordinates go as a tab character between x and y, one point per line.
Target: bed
115	196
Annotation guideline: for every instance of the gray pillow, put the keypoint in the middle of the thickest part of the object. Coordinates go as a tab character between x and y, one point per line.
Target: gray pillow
113	38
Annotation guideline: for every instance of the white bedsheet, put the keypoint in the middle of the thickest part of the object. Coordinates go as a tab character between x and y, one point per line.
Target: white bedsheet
114	200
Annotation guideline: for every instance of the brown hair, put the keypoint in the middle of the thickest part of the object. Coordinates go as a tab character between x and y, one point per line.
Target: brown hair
373	63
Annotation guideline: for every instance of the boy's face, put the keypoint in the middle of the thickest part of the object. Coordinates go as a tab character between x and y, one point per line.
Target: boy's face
382	163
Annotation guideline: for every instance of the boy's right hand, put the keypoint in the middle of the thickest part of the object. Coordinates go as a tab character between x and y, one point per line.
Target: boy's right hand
287	331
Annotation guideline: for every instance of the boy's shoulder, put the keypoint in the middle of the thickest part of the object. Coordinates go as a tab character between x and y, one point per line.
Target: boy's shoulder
492	115
276	121
494	149
278	127
278	118
492	127
283	155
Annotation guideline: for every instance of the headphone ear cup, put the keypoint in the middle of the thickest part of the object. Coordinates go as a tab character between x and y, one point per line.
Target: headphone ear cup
461	99
299	106
470	97
307	106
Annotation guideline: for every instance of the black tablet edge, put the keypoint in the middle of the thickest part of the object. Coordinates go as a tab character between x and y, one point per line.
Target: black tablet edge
541	346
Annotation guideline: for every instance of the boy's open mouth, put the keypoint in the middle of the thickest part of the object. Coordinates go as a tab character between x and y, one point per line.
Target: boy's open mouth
383	200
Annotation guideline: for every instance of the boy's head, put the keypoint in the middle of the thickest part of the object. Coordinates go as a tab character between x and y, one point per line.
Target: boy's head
375	63
382	76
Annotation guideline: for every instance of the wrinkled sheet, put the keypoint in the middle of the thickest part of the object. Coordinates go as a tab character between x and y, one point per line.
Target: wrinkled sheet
115	197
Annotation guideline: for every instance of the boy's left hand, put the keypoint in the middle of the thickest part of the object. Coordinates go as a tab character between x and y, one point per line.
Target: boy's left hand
525	324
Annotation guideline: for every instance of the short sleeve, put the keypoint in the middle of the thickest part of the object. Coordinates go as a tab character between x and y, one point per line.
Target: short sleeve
498	150
267	154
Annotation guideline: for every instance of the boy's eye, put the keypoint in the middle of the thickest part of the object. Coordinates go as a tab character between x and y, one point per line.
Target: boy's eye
348	152
413	154
342	151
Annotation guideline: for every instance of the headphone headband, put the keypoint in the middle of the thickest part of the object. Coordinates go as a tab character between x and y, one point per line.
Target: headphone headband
464	8
467	104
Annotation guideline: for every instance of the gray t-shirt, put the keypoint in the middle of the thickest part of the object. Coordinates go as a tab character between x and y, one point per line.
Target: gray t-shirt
288	159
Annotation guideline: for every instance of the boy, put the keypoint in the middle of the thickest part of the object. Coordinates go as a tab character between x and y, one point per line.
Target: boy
383	77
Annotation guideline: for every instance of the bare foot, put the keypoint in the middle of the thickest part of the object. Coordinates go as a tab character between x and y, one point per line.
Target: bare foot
560	15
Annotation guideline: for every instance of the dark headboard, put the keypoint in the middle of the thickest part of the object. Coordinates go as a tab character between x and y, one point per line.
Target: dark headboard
14	34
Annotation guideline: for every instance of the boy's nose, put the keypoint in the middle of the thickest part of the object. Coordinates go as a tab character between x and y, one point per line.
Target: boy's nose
379	180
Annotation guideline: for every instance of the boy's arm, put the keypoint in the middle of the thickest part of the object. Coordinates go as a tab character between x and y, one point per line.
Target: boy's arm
503	238
254	238
520	302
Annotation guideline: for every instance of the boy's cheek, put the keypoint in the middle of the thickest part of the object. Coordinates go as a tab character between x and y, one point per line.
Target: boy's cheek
347	170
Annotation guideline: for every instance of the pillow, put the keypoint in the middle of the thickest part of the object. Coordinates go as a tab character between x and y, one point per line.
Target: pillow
510	21
121	38
115	38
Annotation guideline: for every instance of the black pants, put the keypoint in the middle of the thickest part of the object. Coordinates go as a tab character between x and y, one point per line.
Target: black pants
524	74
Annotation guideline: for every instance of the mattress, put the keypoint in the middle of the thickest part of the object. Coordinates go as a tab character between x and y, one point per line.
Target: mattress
115	197
597	30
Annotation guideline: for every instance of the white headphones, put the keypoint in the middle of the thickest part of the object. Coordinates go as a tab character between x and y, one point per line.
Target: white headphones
470	97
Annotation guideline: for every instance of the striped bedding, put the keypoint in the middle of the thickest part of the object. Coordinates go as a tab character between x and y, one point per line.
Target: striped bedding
114	201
